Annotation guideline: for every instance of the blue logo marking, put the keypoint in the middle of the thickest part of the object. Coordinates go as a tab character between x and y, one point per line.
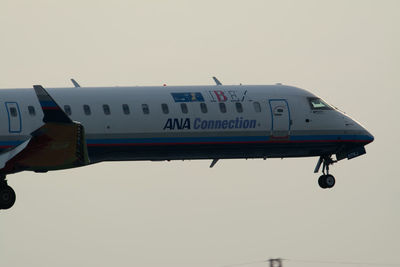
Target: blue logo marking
188	97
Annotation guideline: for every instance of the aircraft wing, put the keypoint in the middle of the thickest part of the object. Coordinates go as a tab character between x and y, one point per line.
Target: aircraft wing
60	143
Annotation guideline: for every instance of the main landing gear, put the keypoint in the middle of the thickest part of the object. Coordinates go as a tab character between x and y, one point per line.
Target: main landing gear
326	180
7	194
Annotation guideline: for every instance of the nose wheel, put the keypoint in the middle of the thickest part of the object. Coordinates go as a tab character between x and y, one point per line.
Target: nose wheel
326	180
7	195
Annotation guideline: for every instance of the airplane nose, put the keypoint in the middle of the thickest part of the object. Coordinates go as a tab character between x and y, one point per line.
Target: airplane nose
365	136
369	138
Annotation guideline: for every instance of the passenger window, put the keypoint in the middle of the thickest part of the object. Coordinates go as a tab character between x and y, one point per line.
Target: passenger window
67	110
257	106
106	109
125	109
222	107
184	108
86	109
13	112
145	109
203	107
239	107
31	110
164	108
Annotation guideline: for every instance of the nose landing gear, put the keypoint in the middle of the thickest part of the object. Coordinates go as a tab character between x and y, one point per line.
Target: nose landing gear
326	180
7	194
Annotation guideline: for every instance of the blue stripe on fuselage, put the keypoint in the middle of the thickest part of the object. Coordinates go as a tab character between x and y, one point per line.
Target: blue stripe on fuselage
215	139
7	144
228	139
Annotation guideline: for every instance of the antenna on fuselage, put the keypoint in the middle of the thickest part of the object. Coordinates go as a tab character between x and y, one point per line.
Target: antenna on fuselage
216	80
75	83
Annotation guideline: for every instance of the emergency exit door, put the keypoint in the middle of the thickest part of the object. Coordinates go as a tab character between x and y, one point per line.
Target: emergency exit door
14	117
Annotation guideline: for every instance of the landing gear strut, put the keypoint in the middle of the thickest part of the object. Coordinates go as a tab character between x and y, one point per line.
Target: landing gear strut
326	180
7	194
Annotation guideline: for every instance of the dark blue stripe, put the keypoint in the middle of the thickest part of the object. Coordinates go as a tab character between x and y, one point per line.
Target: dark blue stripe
178	140
10	143
308	138
330	137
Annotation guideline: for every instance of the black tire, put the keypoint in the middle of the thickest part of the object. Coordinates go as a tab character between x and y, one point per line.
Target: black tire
330	181
322	182
7	197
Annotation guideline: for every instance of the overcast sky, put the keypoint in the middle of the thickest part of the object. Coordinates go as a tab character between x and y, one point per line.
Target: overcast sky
180	214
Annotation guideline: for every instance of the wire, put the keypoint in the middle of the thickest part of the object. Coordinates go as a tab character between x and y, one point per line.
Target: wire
245	263
346	262
318	261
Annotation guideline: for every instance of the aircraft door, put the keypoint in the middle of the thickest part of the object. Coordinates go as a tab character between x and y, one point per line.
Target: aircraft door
280	118
14	117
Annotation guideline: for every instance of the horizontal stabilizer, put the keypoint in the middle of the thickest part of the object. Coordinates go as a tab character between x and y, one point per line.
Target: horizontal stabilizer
52	112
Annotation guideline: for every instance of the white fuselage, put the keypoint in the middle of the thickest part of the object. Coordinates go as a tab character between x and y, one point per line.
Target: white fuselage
188	122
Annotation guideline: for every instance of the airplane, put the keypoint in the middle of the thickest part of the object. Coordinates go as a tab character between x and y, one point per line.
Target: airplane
47	129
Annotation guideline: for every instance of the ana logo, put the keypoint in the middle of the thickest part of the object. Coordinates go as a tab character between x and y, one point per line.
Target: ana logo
177	124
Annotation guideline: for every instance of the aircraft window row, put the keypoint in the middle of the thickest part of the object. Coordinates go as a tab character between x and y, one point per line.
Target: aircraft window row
67	109
257	107
86	110
203	107
315	103
165	108
222	107
125	109
31	110
239	107
106	109
184	108
145	109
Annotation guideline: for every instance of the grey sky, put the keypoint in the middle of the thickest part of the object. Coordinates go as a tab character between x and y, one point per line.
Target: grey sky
183	213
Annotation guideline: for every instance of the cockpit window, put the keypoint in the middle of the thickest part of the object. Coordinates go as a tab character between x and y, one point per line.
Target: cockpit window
318	104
